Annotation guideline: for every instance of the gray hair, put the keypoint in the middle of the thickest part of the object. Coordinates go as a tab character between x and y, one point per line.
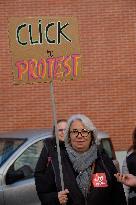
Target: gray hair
86	122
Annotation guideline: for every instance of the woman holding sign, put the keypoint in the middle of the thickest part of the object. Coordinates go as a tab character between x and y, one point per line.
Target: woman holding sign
88	172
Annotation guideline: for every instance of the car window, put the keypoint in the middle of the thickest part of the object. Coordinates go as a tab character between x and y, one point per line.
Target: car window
24	166
107	145
8	147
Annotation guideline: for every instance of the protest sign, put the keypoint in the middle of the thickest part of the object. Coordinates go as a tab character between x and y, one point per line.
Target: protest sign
44	49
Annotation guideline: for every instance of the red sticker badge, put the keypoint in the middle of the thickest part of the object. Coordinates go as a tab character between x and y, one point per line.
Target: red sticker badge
99	180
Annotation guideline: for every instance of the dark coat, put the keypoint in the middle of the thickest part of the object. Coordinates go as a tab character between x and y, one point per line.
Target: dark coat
131	164
47	180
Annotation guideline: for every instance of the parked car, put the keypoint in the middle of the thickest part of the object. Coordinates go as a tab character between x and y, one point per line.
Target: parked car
19	152
107	145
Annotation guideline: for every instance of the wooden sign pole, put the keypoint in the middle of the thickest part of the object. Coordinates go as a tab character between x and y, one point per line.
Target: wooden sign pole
56	132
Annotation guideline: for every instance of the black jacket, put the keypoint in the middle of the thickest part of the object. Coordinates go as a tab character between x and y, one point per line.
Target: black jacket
47	180
131	164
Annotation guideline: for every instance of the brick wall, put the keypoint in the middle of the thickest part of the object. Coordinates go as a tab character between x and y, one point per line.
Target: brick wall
107	90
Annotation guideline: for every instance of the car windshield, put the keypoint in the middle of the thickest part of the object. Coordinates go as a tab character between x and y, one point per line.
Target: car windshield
7	147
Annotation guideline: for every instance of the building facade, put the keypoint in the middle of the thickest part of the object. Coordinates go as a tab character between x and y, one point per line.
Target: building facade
106	91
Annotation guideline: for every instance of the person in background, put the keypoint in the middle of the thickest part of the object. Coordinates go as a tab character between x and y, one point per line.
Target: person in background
129	167
61	126
45	158
87	171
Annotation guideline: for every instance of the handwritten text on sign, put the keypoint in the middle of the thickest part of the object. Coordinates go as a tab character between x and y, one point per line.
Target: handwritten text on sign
52	68
43	35
44	49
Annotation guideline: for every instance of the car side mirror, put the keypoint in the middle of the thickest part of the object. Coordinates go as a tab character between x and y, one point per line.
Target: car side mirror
16	175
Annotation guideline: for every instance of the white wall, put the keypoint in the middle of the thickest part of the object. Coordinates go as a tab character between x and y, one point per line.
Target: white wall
120	157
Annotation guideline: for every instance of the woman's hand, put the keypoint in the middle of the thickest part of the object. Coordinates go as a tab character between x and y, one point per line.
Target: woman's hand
127	179
62	196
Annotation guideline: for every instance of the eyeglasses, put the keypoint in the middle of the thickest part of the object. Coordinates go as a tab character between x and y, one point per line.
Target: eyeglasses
83	132
61	130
